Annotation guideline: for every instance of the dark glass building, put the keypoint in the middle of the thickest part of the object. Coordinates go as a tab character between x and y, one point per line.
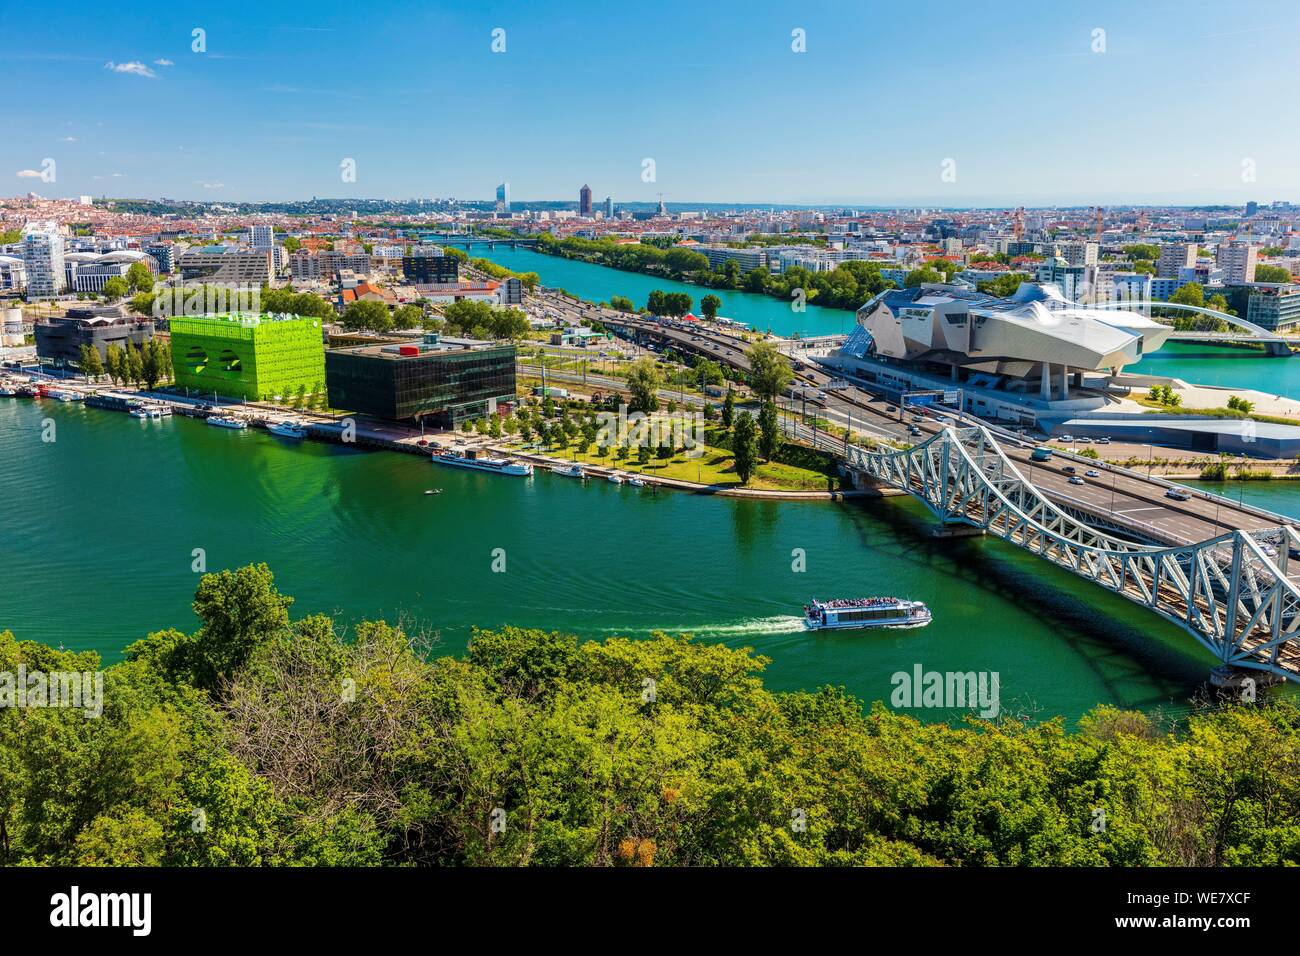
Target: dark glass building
445	380
431	270
59	340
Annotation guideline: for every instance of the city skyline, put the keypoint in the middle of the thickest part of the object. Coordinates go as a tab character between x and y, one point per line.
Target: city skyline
1020	109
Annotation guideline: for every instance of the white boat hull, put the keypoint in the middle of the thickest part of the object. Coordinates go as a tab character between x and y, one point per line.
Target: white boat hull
517	469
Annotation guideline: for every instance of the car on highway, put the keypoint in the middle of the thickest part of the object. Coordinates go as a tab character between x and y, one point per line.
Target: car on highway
914	431
1103	440
918	418
1069	469
821	395
1076	480
1178	494
1092	473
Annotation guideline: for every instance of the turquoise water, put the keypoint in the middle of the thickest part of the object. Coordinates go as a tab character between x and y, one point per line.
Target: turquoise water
1228	367
1282	497
100	528
599	283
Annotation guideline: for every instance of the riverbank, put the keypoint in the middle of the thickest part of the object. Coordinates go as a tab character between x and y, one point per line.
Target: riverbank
354	534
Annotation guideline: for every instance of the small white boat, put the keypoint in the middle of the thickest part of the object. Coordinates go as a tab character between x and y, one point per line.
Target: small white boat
7	392
864	612
222	421
615	477
65	395
574	470
636	481
287	429
139	412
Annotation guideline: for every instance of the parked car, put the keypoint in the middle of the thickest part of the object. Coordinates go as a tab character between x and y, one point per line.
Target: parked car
1066	438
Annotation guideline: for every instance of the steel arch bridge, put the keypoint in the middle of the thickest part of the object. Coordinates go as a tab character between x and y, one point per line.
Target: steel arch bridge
1230	592
1254	331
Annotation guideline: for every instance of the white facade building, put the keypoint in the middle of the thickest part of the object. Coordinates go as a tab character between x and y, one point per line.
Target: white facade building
43	260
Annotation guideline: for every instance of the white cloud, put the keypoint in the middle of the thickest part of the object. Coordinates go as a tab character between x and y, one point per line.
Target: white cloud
28	174
134	67
69	139
163	62
200	182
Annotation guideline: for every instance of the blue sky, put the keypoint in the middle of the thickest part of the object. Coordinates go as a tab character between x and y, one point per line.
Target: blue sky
1184	93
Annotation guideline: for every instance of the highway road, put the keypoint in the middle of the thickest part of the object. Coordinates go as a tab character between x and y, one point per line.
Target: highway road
1114	494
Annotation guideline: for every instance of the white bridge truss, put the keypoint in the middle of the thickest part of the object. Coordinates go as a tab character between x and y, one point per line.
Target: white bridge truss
1230	592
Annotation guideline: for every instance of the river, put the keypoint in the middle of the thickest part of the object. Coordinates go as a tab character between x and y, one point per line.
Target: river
100	527
599	283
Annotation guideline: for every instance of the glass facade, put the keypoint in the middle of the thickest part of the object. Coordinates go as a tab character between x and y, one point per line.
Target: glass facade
449	385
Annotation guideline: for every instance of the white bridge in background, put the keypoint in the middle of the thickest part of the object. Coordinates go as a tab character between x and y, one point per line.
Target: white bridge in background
1230	592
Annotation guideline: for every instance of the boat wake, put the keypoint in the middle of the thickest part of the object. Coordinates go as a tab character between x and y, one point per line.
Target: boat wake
782	624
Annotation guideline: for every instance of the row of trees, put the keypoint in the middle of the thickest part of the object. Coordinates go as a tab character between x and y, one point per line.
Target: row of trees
131	366
845	287
296	743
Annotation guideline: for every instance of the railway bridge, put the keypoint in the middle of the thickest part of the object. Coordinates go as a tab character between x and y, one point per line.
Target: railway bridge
1231	592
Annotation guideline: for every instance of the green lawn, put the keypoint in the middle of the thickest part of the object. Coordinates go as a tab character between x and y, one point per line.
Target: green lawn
714	467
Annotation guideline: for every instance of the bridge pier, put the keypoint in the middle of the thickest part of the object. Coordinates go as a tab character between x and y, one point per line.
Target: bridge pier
1235	680
946	531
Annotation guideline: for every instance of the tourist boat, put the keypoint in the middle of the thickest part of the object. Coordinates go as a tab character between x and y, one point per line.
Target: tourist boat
864	612
615	477
501	466
569	471
222	421
28	391
287	429
65	395
636	481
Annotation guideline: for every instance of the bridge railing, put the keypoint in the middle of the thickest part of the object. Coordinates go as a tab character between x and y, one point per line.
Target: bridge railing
1230	592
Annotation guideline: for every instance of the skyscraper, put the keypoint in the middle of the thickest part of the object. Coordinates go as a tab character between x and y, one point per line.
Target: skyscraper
584	201
503	197
609	208
43	260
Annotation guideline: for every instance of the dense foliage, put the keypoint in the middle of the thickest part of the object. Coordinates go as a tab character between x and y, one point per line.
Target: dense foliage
259	739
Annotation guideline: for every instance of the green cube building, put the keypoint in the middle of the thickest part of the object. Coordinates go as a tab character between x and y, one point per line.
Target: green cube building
258	358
